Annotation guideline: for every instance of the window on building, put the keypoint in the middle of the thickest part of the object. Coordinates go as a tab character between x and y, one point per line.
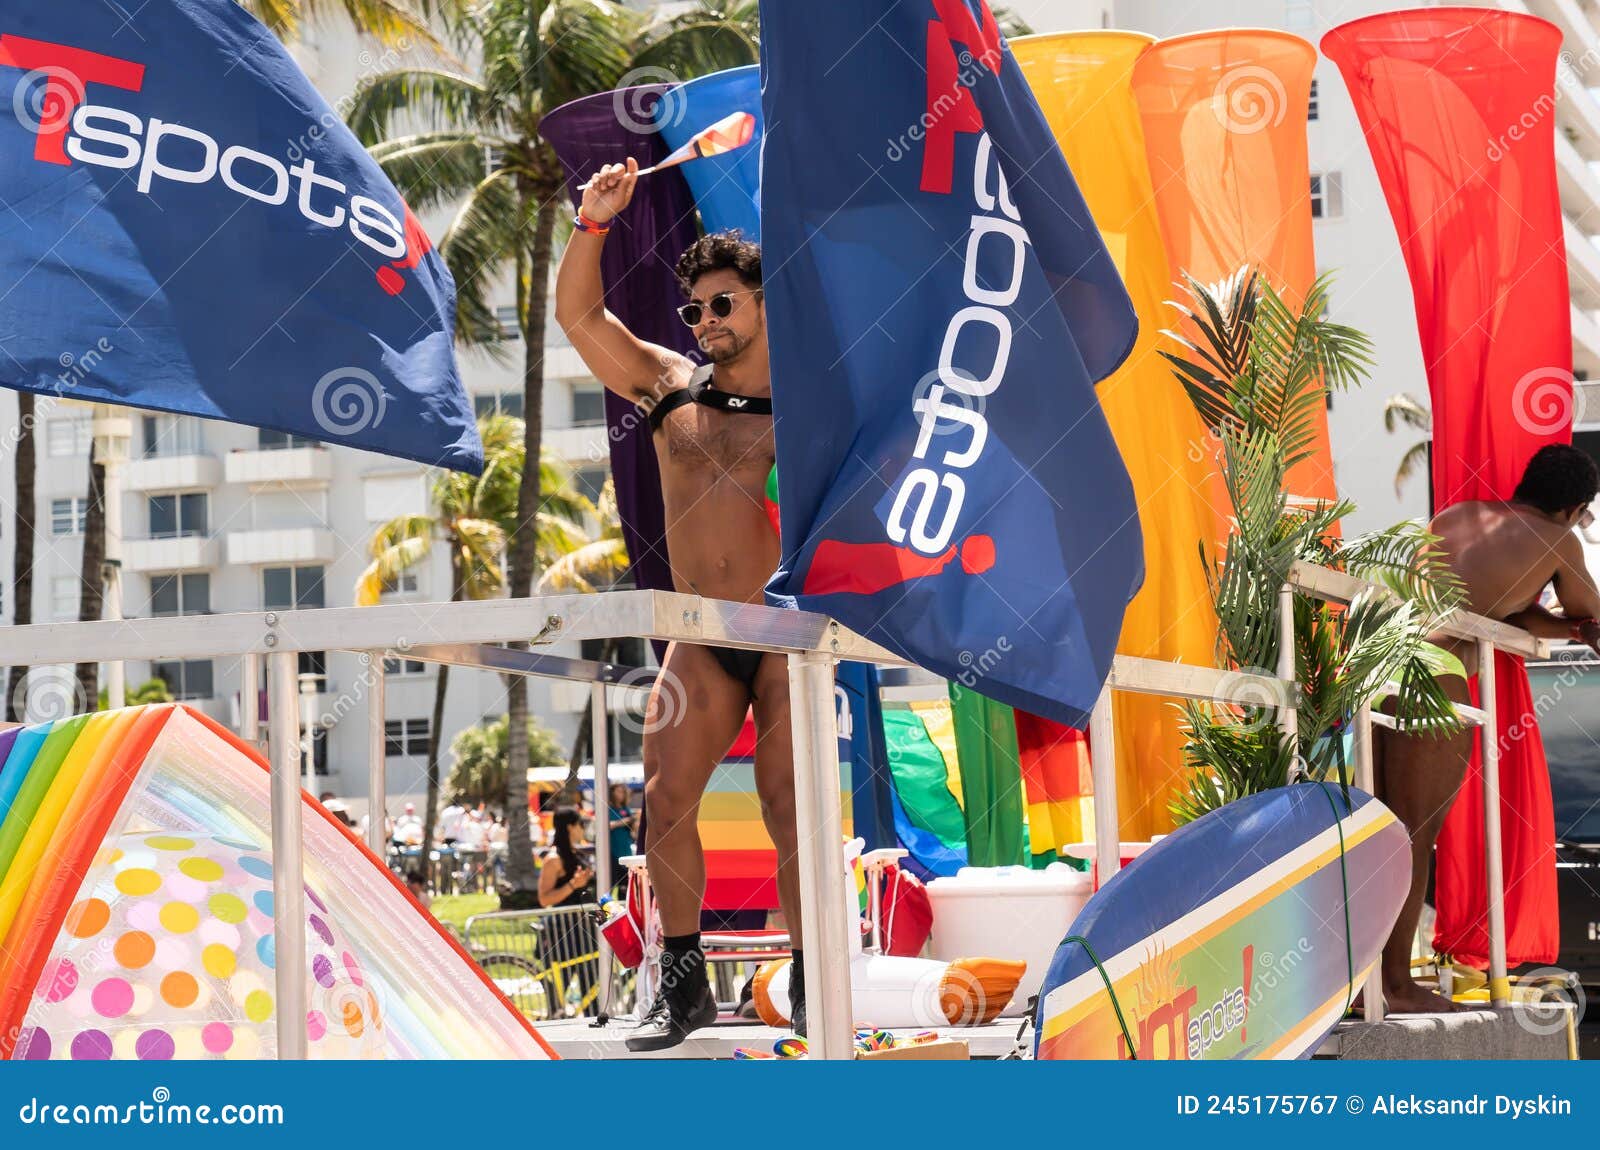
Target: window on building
69	436
64	597
289	588
186	678
69	516
1327	195
588	404
268	440
314	663
404	583
180	595
506	403
406	738
506	317
1311	105
174	516
592	480
402	668
168	435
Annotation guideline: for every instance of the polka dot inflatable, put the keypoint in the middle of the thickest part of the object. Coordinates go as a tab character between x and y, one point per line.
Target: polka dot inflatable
171	955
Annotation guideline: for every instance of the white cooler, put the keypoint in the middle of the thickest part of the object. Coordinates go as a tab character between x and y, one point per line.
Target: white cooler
1007	912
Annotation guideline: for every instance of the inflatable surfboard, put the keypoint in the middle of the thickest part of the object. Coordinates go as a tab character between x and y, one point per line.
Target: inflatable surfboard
1227	939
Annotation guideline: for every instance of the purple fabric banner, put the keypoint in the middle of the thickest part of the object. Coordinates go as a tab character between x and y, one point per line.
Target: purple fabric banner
641	289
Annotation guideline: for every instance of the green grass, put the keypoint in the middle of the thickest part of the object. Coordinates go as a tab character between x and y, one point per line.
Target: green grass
455	909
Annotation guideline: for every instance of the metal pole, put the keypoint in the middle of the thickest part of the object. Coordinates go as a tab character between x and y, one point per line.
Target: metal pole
824	929
250	700
1499	985
377	762
1366	779
598	732
288	859
1103	769
308	738
113	449
1288	717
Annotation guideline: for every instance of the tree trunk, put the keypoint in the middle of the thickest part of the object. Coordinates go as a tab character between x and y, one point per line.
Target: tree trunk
91	602
22	548
436	730
522	558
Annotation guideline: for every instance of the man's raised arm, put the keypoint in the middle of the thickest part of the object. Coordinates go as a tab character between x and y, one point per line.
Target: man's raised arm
633	368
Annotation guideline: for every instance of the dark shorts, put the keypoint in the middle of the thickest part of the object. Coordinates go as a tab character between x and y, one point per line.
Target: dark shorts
740	665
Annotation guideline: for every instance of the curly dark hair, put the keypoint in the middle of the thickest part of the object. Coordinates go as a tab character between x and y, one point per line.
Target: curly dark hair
1558	478
717	251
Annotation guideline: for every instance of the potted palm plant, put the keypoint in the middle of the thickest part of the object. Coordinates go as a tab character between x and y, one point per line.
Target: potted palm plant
1257	369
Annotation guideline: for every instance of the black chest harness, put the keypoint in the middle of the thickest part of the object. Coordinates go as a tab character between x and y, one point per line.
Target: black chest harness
701	391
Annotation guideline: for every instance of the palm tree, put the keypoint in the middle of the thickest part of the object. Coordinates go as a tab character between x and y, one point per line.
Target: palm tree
474	140
1256	369
391	21
1406	410
22	550
471	516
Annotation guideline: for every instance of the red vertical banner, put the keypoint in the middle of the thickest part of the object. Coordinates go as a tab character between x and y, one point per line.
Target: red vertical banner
1458	107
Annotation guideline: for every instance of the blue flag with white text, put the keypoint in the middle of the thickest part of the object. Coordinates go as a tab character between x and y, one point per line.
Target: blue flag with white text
940	305
187	226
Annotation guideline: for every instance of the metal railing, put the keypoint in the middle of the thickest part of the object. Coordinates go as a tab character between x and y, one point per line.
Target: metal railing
547	962
467	634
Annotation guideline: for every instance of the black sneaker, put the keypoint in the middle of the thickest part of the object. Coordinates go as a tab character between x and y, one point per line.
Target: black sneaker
667	1024
797	1021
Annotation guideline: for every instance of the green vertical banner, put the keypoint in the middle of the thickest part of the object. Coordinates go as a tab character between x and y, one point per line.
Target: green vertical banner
991	779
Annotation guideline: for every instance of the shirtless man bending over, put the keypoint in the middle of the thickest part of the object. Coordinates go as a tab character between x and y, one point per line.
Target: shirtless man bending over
1506	554
713	438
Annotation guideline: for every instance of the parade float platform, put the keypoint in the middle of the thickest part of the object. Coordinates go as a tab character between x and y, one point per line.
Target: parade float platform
580	1038
1521	1033
1517	1032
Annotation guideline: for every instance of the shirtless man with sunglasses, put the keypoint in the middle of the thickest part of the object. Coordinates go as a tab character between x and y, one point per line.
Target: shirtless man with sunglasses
712	429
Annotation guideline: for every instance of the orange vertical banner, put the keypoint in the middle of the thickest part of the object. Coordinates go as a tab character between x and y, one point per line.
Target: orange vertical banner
1224	117
1083	81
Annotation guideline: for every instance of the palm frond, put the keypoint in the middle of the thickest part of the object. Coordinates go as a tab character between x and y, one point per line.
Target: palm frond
438	99
430	168
483	236
591	567
1406	410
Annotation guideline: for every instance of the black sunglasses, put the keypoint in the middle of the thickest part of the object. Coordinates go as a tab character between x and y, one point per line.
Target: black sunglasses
721	306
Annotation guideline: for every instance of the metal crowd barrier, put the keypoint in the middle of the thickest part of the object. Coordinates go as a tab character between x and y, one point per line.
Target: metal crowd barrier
547	962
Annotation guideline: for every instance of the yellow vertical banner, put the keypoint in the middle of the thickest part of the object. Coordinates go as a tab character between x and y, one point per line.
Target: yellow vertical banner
1083	82
1224	120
